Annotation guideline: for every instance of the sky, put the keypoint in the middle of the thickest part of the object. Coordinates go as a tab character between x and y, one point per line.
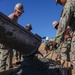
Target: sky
39	13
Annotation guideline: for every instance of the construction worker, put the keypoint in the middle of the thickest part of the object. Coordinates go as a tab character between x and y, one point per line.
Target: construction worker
29	27
4	51
48	45
65	48
18	10
55	53
67	19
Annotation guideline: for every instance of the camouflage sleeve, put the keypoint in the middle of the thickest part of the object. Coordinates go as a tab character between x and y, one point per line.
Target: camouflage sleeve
64	21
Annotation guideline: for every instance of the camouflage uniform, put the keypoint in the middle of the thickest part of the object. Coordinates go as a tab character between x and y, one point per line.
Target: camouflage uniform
3	54
6	54
16	53
66	46
48	45
3	57
67	18
18	10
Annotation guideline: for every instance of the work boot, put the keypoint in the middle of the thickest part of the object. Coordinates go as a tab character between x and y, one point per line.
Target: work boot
73	71
10	66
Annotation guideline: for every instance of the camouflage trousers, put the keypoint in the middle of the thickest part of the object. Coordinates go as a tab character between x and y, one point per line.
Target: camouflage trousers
3	58
17	55
65	49
68	50
4	54
72	53
10	58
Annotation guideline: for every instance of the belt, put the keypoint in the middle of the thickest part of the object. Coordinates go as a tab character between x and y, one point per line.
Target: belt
67	39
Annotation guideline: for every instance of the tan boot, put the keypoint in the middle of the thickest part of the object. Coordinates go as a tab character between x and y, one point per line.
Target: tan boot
65	65
73	71
69	64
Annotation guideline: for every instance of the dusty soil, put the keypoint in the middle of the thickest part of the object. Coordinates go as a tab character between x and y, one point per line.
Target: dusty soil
42	65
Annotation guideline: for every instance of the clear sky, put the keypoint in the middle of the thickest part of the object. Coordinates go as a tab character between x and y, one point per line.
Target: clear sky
39	13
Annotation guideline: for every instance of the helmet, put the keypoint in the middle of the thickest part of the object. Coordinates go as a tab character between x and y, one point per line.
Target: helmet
57	1
19	7
55	23
47	38
29	25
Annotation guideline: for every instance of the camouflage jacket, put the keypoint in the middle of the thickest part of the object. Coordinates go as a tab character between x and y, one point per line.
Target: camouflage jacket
67	18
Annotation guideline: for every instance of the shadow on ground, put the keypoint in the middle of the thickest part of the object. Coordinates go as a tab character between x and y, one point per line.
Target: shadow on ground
36	66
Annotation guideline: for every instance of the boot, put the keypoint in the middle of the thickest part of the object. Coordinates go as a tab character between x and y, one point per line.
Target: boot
73	71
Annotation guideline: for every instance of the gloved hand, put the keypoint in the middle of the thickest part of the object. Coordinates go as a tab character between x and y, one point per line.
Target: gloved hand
55	45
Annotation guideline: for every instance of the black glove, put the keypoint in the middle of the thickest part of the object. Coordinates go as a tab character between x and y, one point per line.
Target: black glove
55	45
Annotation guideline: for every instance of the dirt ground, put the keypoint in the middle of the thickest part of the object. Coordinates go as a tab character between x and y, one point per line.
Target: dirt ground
40	49
49	55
